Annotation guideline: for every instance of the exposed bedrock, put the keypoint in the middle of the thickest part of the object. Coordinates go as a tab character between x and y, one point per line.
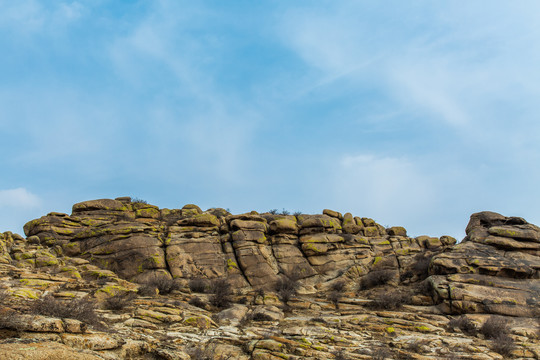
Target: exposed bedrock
495	269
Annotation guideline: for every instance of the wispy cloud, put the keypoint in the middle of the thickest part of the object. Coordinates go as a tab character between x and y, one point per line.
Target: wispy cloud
17	206
18	198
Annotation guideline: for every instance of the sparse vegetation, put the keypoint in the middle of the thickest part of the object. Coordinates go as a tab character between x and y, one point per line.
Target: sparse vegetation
416	347
119	301
286	287
336	292
424	287
83	309
494	327
421	265
198	285
205	353
9	319
163	284
221	293
340	355
3	296
252	316
389	301
273	211
285	212
503	344
297	213
196	301
380	353
463	323
136	200
376	278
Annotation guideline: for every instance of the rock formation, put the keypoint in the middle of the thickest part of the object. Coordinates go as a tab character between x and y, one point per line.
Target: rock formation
304	286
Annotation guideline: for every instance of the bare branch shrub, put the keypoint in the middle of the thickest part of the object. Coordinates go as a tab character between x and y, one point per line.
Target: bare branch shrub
83	309
221	293
389	301
198	285
162	283
196	301
376	278
421	265
495	326
380	353
503	344
119	301
138	201
464	324
286	287
340	355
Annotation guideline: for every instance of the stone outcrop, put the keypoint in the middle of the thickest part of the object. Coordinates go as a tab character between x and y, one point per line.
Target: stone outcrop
139	241
495	269
344	268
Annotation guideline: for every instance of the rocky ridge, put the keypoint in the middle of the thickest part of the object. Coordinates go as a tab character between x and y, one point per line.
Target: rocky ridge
341	268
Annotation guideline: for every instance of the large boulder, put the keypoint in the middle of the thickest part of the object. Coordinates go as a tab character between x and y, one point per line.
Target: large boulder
495	269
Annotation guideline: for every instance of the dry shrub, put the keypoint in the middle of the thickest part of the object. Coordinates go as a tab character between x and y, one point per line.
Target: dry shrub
421	265
389	301
417	346
196	301
138	201
335	297
464	324
221	293
340	355
376	278
10	319
198	285
206	353
286	287
261	317
119	301
3	296
380	353
495	326
83	309
147	290
424	287
162	283
503	344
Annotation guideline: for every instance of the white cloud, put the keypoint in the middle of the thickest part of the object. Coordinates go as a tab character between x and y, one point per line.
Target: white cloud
18	198
452	64
384	186
400	191
28	17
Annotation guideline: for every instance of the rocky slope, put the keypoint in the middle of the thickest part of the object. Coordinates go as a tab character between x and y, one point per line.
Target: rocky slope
188	284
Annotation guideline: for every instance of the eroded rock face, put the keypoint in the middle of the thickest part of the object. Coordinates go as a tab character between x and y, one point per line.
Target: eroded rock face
139	241
495	269
89	254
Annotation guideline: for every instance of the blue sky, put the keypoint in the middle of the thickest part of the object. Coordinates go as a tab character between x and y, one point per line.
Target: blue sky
413	113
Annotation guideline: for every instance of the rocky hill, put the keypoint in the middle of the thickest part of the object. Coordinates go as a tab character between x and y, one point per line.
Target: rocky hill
123	279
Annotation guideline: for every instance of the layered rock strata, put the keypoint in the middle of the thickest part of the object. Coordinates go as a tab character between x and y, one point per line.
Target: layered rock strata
495	269
139	241
93	253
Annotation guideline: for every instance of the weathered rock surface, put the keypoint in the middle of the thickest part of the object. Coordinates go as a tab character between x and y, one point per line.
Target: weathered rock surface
139	241
304	286
495	269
